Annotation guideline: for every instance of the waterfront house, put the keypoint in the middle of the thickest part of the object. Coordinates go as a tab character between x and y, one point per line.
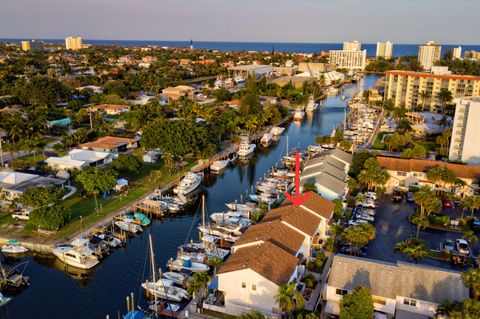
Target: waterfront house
111	144
79	159
399	290
13	183
177	92
413	172
111	109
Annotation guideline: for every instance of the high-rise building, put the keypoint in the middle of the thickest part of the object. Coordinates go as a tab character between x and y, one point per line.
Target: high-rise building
32	45
351	60
352	46
464	144
428	54
472	55
420	90
384	50
457	53
73	43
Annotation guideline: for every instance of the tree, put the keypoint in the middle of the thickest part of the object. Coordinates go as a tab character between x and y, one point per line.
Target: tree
254	315
443	142
421	222
359	235
357	305
467	309
250	102
418	152
421	197
198	282
43	90
309	187
215	262
469	235
359	160
444	96
289	298
127	164
373	175
95	180
471	278
338	209
415	249
404	126
50	218
345	145
471	203
37	197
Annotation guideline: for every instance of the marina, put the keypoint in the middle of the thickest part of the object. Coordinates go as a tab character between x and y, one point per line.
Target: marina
101	291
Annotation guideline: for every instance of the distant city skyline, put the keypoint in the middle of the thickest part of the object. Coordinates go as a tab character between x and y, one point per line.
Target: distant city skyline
308	21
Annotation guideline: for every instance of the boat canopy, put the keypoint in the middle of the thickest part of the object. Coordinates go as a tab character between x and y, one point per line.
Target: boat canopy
214	283
135	314
13	241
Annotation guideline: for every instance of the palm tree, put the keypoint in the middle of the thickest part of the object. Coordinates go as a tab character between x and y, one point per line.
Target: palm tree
197	283
424	95
471	278
469	235
254	315
421	222
289	298
415	249
215	262
421	197
471	203
445	96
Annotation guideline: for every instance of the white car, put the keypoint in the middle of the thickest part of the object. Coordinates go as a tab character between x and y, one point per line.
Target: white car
371	195
356	222
369	211
462	246
366	217
369	203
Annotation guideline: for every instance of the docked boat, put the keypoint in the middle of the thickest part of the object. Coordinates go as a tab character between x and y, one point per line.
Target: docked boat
207	246
110	240
239	79
262	199
4	300
189	183
193	266
227	232
13	247
164	288
137	218
298	115
13	276
219	165
246	149
266	138
76	256
177	277
128	227
248	207
277	130
311	105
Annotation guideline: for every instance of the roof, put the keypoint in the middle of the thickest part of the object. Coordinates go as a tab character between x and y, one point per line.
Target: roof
327	181
341	155
274	231
434	76
108	142
250	67
390	280
325	159
296	217
20	182
324	168
111	107
63	122
179	88
417	165
78	157
267	259
14	178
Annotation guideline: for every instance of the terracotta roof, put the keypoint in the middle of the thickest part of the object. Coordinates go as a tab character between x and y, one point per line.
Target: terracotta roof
274	231
111	107
416	165
435	76
267	259
108	142
296	217
317	203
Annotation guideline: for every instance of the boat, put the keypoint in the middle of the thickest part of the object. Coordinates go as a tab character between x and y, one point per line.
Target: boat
188	264
298	115
208	246
164	308
277	130
76	256
189	183
142	218
262	199
246	149
110	240
13	276
219	165
128	227
239	79
13	247
164	288
311	105
177	277
266	138
4	300
250	207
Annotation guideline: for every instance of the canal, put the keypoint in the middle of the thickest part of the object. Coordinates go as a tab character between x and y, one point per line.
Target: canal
54	293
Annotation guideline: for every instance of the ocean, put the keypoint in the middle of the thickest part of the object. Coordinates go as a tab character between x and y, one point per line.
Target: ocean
398	49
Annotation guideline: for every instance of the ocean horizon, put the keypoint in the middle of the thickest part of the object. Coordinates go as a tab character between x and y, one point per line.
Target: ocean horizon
398	49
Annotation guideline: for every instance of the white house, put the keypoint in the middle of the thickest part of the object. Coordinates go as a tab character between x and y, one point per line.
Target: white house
79	159
13	183
399	290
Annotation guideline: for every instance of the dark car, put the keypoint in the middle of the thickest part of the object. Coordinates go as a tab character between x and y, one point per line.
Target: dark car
476	224
397	196
448	204
410	197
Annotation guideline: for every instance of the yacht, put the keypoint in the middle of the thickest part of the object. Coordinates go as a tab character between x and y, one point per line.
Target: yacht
207	246
188	264
189	183
227	232
177	277
246	149
311	105
76	256
248	207
298	115
266	138
277	130
164	288
128	227
219	165
13	247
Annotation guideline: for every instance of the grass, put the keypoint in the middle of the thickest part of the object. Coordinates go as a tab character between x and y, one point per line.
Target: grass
378	145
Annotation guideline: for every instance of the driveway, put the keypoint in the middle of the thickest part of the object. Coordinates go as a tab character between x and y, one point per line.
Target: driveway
393	226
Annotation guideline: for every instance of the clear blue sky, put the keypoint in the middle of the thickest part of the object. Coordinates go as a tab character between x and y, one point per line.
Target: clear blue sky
401	21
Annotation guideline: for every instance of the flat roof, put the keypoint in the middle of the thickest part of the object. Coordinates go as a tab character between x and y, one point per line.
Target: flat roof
435	76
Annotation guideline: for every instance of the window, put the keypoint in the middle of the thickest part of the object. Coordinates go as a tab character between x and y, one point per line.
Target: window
254	287
244	285
410	302
379	300
341	292
401	173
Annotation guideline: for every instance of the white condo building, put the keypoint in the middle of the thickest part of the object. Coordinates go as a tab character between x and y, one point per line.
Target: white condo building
464	144
457	53
72	43
351	60
384	50
352	46
428	54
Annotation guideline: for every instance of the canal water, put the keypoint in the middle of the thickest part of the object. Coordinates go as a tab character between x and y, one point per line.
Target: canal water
54	293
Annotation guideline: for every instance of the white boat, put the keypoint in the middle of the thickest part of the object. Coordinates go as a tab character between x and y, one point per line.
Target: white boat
163	288
219	165
76	256
250	207
189	183
266	138
229	233
246	149
110	240
277	130
298	115
239	79
311	105
14	249
208	247
128	227
193	266
4	300
176	277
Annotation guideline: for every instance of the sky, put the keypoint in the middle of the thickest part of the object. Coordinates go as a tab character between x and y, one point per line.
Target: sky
312	21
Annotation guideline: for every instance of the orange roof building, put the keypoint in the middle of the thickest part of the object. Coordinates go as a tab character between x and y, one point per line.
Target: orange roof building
111	144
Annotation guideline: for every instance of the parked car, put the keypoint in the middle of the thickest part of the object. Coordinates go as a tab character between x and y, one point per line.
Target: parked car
476	224
397	196
410	197
366	217
448	204
462	246
355	222
369	211
448	247
371	195
369	203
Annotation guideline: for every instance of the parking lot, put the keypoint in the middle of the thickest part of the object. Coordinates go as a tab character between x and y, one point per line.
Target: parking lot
393	226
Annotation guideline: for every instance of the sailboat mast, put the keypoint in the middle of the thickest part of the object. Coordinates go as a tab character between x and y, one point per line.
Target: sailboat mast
152	260
203	211
287	146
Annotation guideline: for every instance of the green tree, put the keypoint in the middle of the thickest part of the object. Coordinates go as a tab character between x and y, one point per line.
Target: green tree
445	97
43	90
471	278
359	235
418	152
443	142
421	222
250	101
373	175
358	162
357	305
254	315
96	180
471	203
198	282
127	163
37	197
289	298
345	145
309	187
467	309
50	218
469	235
415	249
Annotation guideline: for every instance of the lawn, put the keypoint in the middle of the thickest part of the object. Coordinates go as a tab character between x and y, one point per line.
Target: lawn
378	145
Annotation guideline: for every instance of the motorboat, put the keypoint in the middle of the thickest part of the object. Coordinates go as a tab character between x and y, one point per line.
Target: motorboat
219	165
227	232
13	247
248	207
189	183
137	218
110	240
266	138
298	115
188	264
177	277
207	246
76	256
262	199
164	288
4	300
311	105
218	217
246	149
277	130
128	227
239	79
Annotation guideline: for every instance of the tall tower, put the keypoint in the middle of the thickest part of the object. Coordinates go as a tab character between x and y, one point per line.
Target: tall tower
191	44
273	48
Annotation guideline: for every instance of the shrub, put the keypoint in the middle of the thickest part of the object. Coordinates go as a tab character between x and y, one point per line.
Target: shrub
50	218
439	219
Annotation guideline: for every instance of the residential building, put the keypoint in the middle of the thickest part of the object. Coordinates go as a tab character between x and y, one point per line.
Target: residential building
32	45
79	159
428	54
464	144
244	71
111	109
457	53
13	183
472	55
384	50
72	43
351	60
413	172
352	46
399	290
440	70
414	89
177	92
111	144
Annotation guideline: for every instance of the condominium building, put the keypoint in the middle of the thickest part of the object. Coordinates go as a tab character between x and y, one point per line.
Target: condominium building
351	60
464	145
352	46
428	54
384	50
473	55
457	53
72	43
413	89
32	45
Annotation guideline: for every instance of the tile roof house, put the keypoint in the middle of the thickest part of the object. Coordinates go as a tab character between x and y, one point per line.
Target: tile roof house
13	183
110	144
175	93
399	290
